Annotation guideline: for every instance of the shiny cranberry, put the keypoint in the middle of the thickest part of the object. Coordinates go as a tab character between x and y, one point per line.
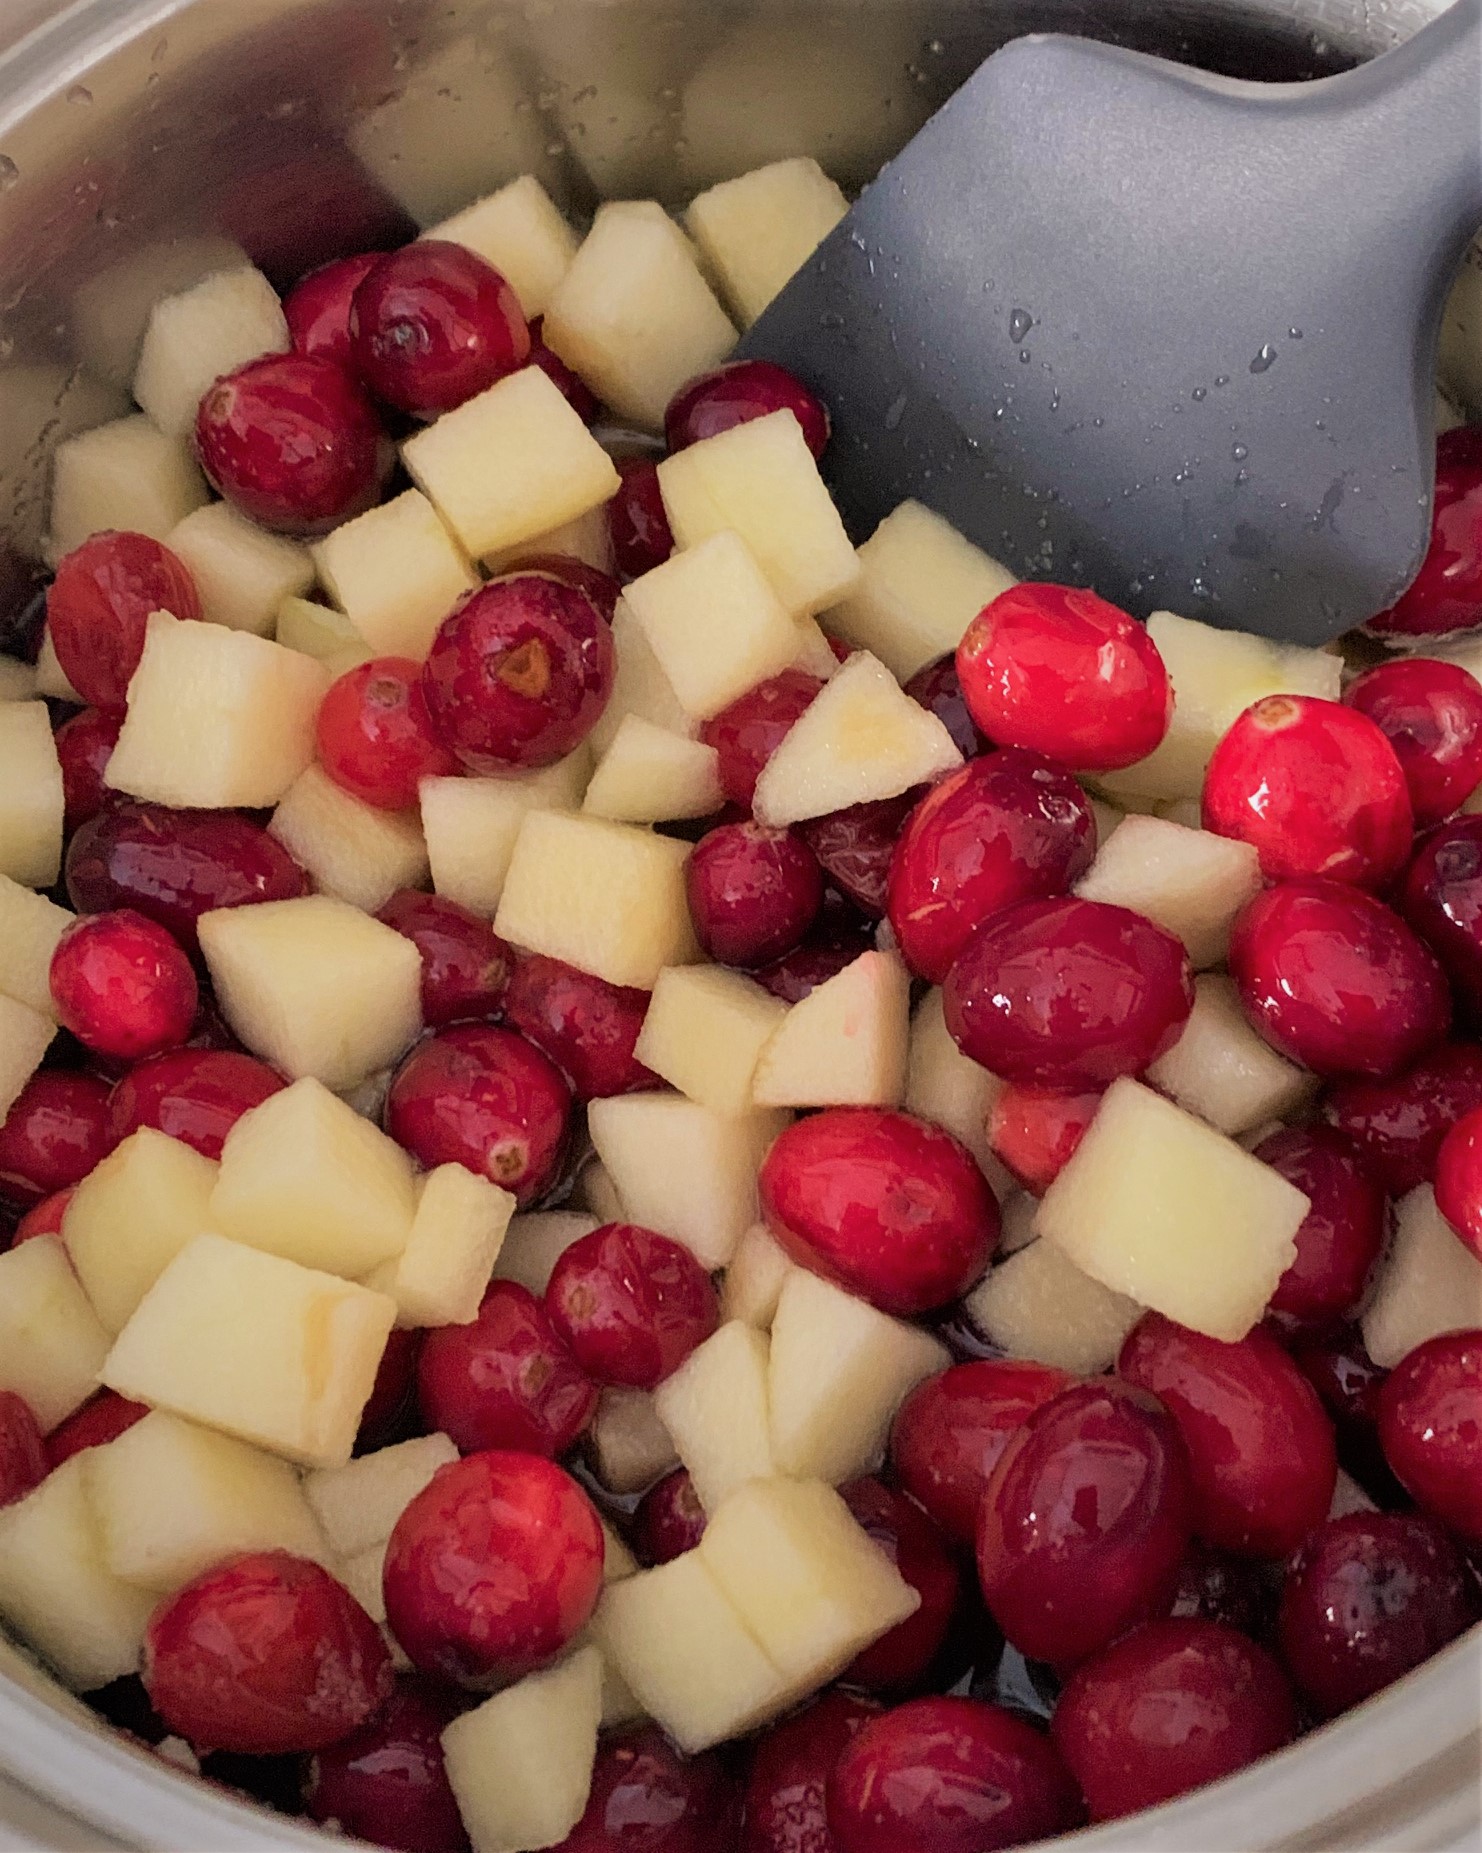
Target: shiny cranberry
1398	1124
630	1305
735	394
746	734
99	603
293	442
1058	670
901	1659
101	1419
505	1380
1459	1180
375	734
55	1132
23	1462
1218	1586
1085	1521
890	1207
1370	1597
84	746
173	866
45	1218
1346	1378
821	956
1034	1131
573	389
387	1782
123	986
493	1568
937	687
486	1099
1008	827
948	1776
647	1798
465	965
584	1024
1335	980
669	1520
785	1795
753	892
1431	714
636	519
603	590
194	1095
1173	1705
387	1415
1315	788
855	847
317	308
265	1654
1446	594
1341	1235
1430	1427
1442	899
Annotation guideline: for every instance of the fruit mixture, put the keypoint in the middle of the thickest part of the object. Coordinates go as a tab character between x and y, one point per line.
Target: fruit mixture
677	1188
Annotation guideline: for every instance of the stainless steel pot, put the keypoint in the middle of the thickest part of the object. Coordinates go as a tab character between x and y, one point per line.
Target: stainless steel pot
140	137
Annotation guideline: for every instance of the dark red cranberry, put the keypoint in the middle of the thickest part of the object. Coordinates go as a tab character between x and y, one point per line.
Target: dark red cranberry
647	1798
630	1305
265	1654
317	308
293	442
746	734
101	1419
1442	899
603	590
1431	714
670	1519
855	847
387	1415
937	688
1459	1181
886	1205
1034	1131
375	734
486	1099
573	389
1218	1586
84	746
386	1782
1060	671
1369	1597
99	603
1335	980
504	1381
1346	1378
1398	1124
901	1659
1446	594
55	1132
493	1568
1315	788
1430	1427
465	965
45	1218
1341	1235
753	892
584	1024
735	394
1008	827
636	519
23	1462
123	986
1172	1706
785	1795
823	955
194	1095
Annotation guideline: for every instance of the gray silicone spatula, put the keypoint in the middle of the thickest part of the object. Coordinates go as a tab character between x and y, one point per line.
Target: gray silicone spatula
1164	333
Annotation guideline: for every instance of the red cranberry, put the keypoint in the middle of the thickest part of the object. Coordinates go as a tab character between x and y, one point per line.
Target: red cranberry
1034	1131
1068	993
1218	1586
194	1095
174	866
45	1218
392	1403
636	519
493	1568
1459	1180
1431	714
99	603
1346	1378
746	734
855	847
753	891
1315	788
375	735
386	1782
1335	980
23	1462
101	1419
785	1794
519	674
55	1132
630	1305
1085	1521
265	1654
432	325
123	986
603	590
1369	1597
486	1099
669	1520
465	965
1341	1235
1398	1124
317	308
1430	1427
829	947
902	1658
587	1026
1058	670
1008	827
1446	594
888	1206
1173	1705
84	746
293	442
647	1798
504	1381
1442	899
735	394
573	389
948	1776
938	689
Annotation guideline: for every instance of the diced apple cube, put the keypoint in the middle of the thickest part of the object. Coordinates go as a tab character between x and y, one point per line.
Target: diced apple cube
275	1353
1017	1213
648	776
618	1562
242	572
112	306
639	686
595	1191
704	1030
761	480
522	234
25	1037
845	1043
357	1505
195	337
127	474
355	851
839	1371
754	1280
396	572
1348	1496
51	678
758	230
30	926
314	986
363	1575
944	1086
1430	1282
51	1343
321	632
1159	1206
815	655
587	538
1187	880
440	1276
1186	811
628	1445
509	464
683	1169
1038	1304
17	680
715	1409
30	795
1222	1070
1106	817
534	1244
470	825
861	738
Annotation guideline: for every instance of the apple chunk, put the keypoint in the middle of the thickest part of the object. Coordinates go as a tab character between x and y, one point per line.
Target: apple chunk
194	337
396	572
51	1343
639	686
30	926
715	1408
1189	881
30	795
1430	1282
522	234
704	1030
845	1043
754	1280
648	775
943	1085
440	1276
1038	1304
358	1505
127	474
629	1447
533	1245
242	572
25	1037
355	851
470	825
758	230
1222	1070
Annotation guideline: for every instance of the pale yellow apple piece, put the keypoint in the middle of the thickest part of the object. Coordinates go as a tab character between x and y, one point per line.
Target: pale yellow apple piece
242	572
522	234
358	1505
355	851
1187	880
704	1030
845	1043
25	1037
815	655
321	632
754	1280
30	926
757	230
648	775
112	306
1038	1304
396	572
587	538
534	1244
197	336
639	686
51	678
629	1447
17	680
51	1342
1430	1282
1017	1214
945	1086
595	1192
1221	1069
440	1276
470	825
127	474
30	795
1107	818
715	1409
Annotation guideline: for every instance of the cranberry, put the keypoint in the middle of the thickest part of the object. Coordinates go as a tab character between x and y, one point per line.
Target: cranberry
753	891
317	308
1314	788
938	689
1398	1124
486	1099
1369	1597
375	734
902	1658
194	1095
45	1218
735	394
890	1207
785	1794
1068	993
1430	1427
573	389
1085	1521
670	1519
493	1568
746	734
293	442
465	965
647	1798
630	1305
84	746
387	1415
1459	1180
174	866
1335	980
123	986
636	519
23	1462
1008	827
99	603
1446	594
855	847
587	1026
1218	1586
1442	899
387	1782
1346	1378
821	956
101	1419
519	674
947	1776
1431	714
1058	670
1034	1131
1341	1235
1172	1706
265	1654
504	1381
603	590
54	1134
